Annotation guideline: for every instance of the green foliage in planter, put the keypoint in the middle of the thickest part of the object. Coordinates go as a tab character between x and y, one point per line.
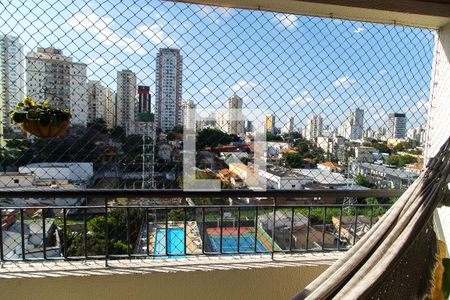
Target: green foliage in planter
46	115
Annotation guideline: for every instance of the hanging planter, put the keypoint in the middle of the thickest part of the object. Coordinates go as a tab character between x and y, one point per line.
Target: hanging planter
41	120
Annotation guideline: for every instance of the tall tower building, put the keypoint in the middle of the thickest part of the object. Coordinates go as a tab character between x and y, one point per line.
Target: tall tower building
396	126
270	123
125	101
12	83
169	68
352	128
235	122
314	127
110	107
289	126
96	101
187	117
144	99
53	76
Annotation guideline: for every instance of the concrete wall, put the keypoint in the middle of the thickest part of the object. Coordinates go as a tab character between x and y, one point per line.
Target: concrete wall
262	283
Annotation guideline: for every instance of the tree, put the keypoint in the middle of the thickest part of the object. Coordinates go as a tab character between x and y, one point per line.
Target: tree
212	137
361	180
381	147
302	146
293	160
273	137
400	160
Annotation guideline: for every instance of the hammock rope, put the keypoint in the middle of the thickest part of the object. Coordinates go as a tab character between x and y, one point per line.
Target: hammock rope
397	257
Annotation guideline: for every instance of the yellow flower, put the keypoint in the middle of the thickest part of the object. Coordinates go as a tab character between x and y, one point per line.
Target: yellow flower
28	101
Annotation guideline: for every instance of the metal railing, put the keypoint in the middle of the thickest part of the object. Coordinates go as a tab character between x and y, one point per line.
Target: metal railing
163	224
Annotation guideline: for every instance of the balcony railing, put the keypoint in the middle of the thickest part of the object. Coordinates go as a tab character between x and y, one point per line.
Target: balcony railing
111	224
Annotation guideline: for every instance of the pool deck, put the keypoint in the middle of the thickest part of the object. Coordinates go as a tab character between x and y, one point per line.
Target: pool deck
193	238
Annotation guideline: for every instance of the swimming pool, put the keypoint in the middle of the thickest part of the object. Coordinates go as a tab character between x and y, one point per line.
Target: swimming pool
175	240
246	240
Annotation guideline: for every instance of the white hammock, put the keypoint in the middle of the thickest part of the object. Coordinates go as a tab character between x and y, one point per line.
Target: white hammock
397	257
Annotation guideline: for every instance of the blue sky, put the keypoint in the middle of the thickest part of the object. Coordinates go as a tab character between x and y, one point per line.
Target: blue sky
285	64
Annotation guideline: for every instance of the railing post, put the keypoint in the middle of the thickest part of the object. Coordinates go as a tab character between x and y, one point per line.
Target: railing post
167	231
44	244
356	224
128	231
307	228
22	233
65	232
147	232
274	224
256	229
221	228
291	231
185	230
106	233
203	231
239	231
1	237
340	228
85	232
323	227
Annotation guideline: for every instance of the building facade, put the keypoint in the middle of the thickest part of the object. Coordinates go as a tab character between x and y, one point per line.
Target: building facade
96	100
396	126
169	68
53	76
270	124
125	101
110	107
12	83
235	121
352	128
314	127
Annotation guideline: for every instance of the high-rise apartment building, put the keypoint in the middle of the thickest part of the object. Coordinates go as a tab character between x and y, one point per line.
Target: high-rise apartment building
189	113
144	100
169	68
396	126
53	76
96	100
314	127
235	121
352	128
288	126
270	123
125	101
110	107
417	134
12	83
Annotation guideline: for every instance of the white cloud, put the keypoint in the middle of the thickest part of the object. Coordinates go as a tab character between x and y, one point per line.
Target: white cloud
287	20
99	26
90	22
359	29
302	100
382	72
328	100
215	14
244	85
344	82
97	61
155	34
205	91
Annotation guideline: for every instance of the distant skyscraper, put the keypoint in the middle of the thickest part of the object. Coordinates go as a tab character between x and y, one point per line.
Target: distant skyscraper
187	117
314	127
249	126
270	123
235	122
144	99
96	100
53	76
417	134
396	126
289	126
352	128
125	103
169	68
110	107
12	83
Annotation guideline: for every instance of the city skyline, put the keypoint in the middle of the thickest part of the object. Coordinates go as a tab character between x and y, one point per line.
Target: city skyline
307	80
